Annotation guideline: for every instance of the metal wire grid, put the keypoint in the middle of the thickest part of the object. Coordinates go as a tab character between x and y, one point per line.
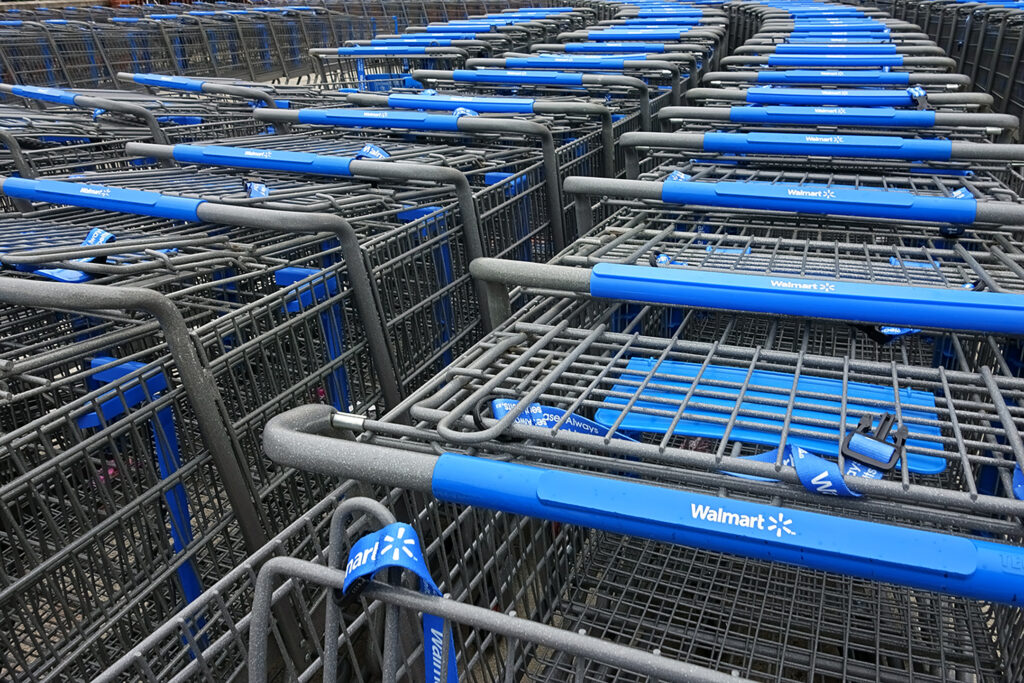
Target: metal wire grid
768	622
854	250
498	561
666	379
380	73
90	567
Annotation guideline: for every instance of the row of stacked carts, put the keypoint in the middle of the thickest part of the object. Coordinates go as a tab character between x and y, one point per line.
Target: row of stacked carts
89	46
620	341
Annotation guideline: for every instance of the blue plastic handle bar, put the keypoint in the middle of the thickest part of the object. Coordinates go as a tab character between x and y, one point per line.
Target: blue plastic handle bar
55	95
880	117
480	28
375	118
428	41
681	12
659	21
864	39
834	77
870	550
125	20
570	62
826	144
518	77
802	48
615	47
842	28
867	97
105	198
957	308
263	159
12	23
821	199
164	16
636	34
835	60
382	50
518	105
171	82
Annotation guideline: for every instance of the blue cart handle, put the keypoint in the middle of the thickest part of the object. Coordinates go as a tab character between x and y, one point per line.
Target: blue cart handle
830	145
516	77
836	200
102	197
869	550
923	559
858	302
375	118
242	157
168	82
32	92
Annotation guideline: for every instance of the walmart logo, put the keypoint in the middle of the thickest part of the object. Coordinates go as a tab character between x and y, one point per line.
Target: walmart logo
397	545
779	524
823	287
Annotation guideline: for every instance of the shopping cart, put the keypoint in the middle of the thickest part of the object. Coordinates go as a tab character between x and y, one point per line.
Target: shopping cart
272	320
672	72
509	564
381	68
379	126
631	97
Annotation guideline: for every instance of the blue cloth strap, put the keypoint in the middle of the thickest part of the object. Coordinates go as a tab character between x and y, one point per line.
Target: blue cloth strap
397	545
817	474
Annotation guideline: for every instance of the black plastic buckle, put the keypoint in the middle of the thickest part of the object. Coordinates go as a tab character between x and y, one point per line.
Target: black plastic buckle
880	435
352	594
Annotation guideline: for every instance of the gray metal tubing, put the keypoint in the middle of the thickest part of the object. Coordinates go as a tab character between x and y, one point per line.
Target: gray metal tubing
336	560
298	438
1000	213
379	347
24	169
397	171
933	62
760	49
967	119
915	78
477	124
212	418
572	643
576	644
583	187
540	106
941	98
502	275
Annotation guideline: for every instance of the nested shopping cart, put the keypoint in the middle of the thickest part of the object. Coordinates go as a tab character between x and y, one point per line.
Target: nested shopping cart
138	427
382	127
377	68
